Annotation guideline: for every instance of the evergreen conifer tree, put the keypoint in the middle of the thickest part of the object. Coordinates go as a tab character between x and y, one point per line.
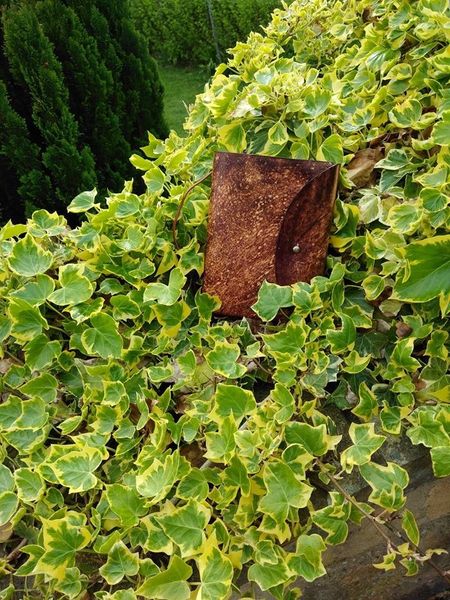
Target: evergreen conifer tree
78	93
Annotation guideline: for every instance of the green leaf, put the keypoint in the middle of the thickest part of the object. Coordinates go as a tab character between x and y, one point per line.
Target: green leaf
125	503
62	538
28	258
221	445
223	360
283	491
428	270
121	563
154	179
365	441
440	456
409	526
387	484
289	340
83	202
8	506
185	526
75	469
45	387
233	400
271	298
166	294
30	485
331	150
36	291
75	287
307	560
170	584
6	479
367	405
342	339
314	439
278	133
216	574
103	338
157	480
27	321
268	576
232	137
41	352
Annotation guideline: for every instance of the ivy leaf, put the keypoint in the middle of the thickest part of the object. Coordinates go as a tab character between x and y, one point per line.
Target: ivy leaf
166	294
154	179
44	386
216	574
271	298
387	484
41	352
157	480
28	258
233	400
185	526
331	150
409	526
103	338
30	485
121	563
283	491
75	287
75	470
27	321
232	137
440	456
342	339
268	576
125	503
83	202
365	441
314	439
367	405
62	538
171	584
307	560
289	340
223	360
221	445
428	270
37	291
8	506
6	479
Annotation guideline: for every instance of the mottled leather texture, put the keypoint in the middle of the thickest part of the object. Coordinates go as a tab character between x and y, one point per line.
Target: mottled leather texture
269	219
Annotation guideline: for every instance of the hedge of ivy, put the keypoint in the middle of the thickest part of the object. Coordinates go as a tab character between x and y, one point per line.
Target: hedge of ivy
152	450
180	31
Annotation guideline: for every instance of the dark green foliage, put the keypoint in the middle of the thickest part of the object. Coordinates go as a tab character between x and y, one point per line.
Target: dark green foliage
179	31
79	92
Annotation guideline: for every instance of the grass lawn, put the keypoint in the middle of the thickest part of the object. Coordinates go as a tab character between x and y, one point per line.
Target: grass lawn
181	85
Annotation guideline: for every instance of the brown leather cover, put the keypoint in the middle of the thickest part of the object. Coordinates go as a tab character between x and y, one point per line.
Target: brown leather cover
269	218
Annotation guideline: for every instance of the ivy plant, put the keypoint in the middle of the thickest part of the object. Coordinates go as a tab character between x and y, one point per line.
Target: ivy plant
151	449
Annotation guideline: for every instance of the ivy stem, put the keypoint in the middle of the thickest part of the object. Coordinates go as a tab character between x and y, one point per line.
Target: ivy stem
377	526
55	310
181	205
15	551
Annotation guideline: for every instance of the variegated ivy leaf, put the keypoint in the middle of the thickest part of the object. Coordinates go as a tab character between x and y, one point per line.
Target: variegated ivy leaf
185	526
307	560
74	287
223	360
365	443
233	400
271	298
8	506
102	338
166	294
216	574
29	259
427	274
121	563
75	469
126	503
314	439
387	484
170	584
283	491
